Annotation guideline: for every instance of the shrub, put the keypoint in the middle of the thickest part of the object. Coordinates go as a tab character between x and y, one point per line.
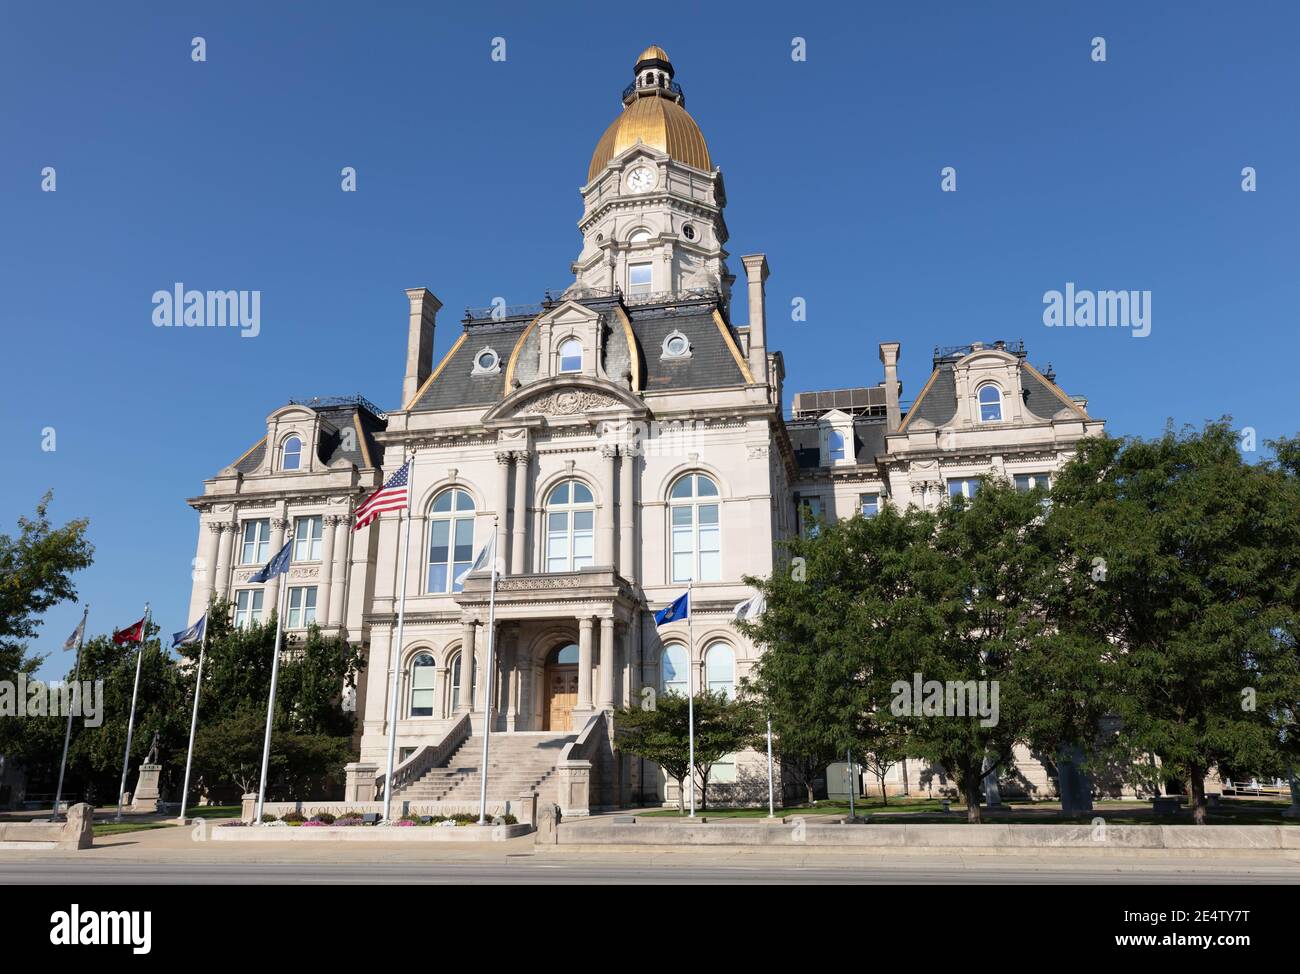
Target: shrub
268	817
325	818
348	821
294	817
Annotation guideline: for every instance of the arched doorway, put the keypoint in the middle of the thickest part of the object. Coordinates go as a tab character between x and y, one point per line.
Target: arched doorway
561	688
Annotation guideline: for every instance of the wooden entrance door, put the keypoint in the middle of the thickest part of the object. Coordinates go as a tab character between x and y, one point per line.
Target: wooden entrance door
561	697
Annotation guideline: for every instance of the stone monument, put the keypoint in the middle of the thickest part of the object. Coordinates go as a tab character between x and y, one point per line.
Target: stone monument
145	797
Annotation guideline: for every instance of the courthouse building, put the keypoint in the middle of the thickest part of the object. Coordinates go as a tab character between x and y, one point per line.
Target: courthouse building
622	438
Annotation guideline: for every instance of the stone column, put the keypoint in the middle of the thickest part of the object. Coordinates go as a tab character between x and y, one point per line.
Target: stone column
211	549
627	517
272	597
339	574
511	680
504	461
518	557
224	549
605	515
326	569
608	660
584	664
467	668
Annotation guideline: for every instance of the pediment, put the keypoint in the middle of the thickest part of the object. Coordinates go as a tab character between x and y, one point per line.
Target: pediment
564	397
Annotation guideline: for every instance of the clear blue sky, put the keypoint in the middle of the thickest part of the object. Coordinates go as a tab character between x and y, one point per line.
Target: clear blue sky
225	174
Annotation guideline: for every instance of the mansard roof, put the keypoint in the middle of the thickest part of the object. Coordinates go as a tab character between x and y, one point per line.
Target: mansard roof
805	438
714	362
338	413
937	403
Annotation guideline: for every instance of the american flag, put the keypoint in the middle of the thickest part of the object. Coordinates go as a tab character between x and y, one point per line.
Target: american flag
390	497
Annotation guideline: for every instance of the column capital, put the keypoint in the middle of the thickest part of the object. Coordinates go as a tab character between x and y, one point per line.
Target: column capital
609	451
505	457
280	523
216	527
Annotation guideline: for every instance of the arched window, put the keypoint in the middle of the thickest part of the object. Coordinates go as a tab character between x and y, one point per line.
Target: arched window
990	398
291	454
639	236
673	674
570	527
720	669
835	446
451	539
570	355
422	671
696	537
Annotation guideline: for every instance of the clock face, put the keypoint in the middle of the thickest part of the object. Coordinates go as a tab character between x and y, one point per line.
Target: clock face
640	180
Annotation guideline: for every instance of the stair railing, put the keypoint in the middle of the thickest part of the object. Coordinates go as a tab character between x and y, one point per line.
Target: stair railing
426	758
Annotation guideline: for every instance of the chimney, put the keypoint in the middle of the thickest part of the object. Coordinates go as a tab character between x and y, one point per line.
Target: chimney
756	270
889	359
419	341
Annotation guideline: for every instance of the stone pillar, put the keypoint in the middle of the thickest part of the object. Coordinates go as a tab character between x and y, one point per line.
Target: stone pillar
326	569
605	514
211	550
224	550
511	677
272	588
339	574
608	660
359	781
627	516
504	461
467	701
584	664
518	557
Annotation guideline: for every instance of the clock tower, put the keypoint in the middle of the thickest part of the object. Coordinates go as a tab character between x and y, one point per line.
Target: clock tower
652	207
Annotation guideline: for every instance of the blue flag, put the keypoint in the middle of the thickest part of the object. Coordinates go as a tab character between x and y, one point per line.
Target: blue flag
192	635
276	566
679	608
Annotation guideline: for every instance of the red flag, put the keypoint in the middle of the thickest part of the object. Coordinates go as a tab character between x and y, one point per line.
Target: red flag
133	633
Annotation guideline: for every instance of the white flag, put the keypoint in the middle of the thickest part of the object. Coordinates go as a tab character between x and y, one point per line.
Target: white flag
750	609
484	559
75	638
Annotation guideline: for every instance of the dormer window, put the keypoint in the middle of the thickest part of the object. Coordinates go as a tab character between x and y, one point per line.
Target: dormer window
990	400
676	346
291	454
571	355
487	362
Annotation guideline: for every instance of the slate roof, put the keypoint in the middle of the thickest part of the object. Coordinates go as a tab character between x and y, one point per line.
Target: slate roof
712	363
333	446
805	437
937	402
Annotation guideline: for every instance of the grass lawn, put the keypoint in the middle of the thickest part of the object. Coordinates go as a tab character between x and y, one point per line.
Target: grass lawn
119	828
213	811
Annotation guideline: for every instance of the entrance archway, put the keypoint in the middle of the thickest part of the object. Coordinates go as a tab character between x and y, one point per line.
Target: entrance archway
561	688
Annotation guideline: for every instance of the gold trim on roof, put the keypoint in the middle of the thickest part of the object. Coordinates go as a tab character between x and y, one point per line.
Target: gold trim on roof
434	374
243	456
918	400
1056	390
361	438
731	344
632	349
514	354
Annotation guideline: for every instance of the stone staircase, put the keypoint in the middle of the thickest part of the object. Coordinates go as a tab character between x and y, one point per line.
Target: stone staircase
518	763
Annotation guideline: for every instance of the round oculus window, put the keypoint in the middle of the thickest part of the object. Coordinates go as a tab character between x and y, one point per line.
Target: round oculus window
688	232
487	360
677	345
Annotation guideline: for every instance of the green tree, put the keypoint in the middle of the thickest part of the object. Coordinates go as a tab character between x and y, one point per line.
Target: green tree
723	726
1186	557
36	569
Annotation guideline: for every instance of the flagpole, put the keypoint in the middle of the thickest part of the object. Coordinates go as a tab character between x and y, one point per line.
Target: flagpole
130	724
67	733
194	717
690	678
395	651
270	705
487	704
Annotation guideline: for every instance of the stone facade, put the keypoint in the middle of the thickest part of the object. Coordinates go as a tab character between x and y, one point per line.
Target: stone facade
617	440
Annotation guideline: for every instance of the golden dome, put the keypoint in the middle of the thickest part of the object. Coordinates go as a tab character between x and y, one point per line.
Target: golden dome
656	117
651	53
